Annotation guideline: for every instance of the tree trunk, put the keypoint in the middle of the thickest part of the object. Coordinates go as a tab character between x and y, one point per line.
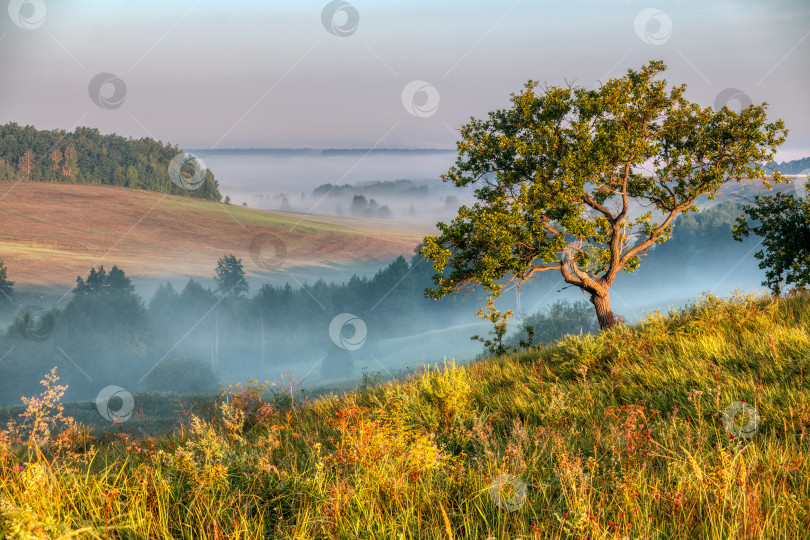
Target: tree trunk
603	312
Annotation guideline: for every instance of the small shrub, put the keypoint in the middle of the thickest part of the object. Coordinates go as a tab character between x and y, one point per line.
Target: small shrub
441	396
243	407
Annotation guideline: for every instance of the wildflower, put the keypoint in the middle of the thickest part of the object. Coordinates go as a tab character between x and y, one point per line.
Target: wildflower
565	515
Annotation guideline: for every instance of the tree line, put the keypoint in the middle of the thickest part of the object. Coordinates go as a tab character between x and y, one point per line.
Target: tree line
85	156
181	339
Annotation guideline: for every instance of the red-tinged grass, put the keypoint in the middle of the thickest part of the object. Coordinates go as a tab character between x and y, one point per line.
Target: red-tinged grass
619	435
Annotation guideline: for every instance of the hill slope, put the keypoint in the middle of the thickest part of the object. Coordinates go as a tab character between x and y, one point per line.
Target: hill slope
688	426
50	233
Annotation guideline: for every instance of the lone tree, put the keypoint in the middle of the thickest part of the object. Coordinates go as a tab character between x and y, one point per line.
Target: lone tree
6	286
230	277
783	222
585	181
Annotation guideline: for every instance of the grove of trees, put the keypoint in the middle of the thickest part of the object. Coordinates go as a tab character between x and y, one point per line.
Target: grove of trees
85	156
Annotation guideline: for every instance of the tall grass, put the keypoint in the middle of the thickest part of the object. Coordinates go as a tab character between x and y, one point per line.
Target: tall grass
689	425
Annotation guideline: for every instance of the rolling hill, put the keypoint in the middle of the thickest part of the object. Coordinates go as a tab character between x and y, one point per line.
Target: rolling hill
50	233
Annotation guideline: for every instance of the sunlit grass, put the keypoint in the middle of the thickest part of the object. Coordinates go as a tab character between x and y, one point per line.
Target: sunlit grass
619	435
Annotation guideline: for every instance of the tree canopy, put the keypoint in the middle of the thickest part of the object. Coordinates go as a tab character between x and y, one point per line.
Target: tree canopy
101	283
230	276
783	222
85	156
6	285
584	181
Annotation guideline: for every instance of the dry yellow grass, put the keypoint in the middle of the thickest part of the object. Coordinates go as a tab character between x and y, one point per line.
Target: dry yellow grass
50	233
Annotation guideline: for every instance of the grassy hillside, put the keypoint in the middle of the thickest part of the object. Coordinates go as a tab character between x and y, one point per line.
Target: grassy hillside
51	233
633	433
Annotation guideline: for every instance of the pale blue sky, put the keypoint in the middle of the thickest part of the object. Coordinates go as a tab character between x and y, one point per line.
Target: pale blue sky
269	74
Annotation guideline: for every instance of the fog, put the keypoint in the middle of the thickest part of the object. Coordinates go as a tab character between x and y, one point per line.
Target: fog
285	179
188	339
324	327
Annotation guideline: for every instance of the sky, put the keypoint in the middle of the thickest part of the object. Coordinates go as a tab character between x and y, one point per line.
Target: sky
361	74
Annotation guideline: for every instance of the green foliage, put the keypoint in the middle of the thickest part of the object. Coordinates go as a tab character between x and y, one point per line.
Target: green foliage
614	435
85	156
783	222
441	396
560	318
6	286
230	276
100	283
549	170
369	379
500	321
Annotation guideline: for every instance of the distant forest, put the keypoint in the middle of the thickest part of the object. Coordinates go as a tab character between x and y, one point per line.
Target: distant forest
117	336
85	156
797	166
384	187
